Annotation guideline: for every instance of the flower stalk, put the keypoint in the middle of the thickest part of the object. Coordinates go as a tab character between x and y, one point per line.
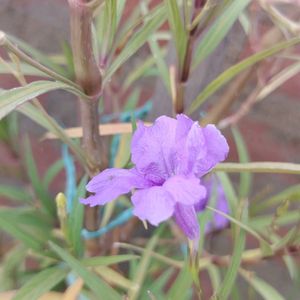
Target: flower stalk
88	76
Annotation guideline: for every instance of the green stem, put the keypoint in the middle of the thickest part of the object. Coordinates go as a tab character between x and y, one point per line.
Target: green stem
259	167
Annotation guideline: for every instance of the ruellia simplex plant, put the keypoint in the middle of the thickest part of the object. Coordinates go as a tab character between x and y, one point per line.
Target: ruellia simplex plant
148	190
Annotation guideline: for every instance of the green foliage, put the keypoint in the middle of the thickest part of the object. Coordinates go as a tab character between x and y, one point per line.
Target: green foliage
91	280
44	246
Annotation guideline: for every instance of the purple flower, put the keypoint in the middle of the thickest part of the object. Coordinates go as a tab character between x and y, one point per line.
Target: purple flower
216	198
170	157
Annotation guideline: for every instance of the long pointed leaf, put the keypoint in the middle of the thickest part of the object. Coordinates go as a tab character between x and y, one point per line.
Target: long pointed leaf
41	283
99	287
10	99
231	72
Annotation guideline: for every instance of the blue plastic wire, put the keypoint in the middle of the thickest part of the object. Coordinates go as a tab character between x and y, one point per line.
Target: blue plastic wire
122	218
140	113
70	177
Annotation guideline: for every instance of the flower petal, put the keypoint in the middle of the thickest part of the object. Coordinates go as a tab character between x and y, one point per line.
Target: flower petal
215	197
217	150
186	218
190	144
185	190
111	183
154	204
152	149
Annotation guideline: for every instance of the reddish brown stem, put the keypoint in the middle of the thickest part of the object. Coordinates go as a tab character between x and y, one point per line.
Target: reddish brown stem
88	76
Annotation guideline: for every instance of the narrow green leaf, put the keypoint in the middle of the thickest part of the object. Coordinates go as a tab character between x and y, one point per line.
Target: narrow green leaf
263	288
41	283
41	117
115	278
229	192
259	167
142	268
37	55
139	71
278	80
52	172
180	288
215	276
259	223
157	286
11	264
108	260
26	70
153	21
75	219
42	194
158	55
292	193
19	233
245	178
219	30
160	63
244	226
177	28
231	72
10	99
15	193
233	268
98	286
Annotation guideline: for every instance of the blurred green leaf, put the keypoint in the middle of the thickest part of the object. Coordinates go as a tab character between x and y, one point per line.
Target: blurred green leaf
229	191
219	30
243	225
108	260
157	286
180	288
98	286
110	21
259	223
115	278
139	71
239	245
292	193
10	99
160	62
234	70
75	219
278	80
215	276
158	55
41	283
52	172
132	100
10	267
12	225
40	116
142	268
67	50
245	178
15	193
37	55
266	291
120	8
177	28
152	22
43	196
26	70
